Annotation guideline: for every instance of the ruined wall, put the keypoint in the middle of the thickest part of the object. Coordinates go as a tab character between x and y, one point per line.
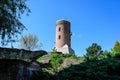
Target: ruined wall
13	53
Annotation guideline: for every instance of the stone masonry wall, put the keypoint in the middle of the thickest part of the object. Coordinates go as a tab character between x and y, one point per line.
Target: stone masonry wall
13	53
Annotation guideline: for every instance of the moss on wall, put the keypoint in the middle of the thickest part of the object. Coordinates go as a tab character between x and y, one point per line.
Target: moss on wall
13	53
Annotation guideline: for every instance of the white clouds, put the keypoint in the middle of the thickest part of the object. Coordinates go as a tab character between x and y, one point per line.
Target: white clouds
76	35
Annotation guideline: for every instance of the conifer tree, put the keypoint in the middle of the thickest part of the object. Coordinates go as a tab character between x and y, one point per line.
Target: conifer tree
93	52
116	48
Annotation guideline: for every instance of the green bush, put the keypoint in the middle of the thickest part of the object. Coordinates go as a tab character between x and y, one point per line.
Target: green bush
39	58
55	60
107	69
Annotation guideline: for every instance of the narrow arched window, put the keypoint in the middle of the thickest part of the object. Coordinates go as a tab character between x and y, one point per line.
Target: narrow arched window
59	29
59	37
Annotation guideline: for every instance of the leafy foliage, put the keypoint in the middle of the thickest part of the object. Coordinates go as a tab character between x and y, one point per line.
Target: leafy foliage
29	42
93	52
55	60
107	69
116	48
106	54
10	13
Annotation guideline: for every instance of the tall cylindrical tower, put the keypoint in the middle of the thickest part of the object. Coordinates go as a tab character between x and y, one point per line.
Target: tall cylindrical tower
63	33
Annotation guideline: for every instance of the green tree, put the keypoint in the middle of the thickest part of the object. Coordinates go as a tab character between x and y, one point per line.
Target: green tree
116	49
93	52
106	54
29	42
10	15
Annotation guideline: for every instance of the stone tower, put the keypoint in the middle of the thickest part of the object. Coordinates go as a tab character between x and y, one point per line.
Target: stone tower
63	37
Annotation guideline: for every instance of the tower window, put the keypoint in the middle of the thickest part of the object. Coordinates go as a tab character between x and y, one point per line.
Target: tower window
59	29
59	37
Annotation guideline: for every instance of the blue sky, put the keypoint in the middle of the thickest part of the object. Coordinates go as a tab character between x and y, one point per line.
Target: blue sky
92	21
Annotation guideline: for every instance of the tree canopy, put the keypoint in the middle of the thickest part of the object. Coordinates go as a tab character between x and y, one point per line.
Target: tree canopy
116	48
10	13
93	51
29	42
